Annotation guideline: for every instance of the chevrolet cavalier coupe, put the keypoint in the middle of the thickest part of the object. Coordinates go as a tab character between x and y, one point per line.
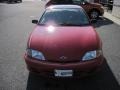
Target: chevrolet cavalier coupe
64	44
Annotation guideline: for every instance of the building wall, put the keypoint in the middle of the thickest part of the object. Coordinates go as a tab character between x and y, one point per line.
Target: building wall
116	8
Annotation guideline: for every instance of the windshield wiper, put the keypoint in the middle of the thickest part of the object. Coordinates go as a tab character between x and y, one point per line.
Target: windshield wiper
42	24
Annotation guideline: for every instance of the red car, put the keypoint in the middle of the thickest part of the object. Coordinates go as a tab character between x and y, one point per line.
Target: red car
64	44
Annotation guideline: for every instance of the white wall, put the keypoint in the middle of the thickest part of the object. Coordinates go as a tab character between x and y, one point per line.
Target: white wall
116	10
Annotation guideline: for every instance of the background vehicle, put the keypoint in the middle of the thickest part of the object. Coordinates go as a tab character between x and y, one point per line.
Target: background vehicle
94	10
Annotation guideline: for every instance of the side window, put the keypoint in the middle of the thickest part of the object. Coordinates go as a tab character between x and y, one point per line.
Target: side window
77	1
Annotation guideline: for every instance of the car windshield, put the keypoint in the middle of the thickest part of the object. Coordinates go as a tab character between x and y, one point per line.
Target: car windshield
65	17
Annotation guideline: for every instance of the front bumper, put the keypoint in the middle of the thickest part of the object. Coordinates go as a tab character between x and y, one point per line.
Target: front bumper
80	69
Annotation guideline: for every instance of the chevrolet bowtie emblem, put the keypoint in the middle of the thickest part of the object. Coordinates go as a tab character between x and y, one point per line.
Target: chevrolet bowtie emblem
63	57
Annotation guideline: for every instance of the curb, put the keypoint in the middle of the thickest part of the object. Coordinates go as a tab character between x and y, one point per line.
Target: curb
111	17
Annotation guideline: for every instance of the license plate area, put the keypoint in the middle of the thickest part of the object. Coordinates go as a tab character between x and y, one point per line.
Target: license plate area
63	73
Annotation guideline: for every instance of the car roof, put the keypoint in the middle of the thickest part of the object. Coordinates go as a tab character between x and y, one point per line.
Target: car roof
64	7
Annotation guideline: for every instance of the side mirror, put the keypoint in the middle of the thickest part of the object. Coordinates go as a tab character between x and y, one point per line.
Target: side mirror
93	20
35	21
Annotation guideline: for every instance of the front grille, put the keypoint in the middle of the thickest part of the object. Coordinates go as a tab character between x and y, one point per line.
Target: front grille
64	61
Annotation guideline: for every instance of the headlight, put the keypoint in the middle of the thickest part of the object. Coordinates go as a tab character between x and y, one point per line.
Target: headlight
35	54
91	55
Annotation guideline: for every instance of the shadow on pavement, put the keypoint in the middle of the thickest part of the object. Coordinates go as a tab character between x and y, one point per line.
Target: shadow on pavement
104	80
7	2
102	21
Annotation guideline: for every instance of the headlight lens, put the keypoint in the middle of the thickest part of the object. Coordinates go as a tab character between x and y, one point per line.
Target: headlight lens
91	55
35	54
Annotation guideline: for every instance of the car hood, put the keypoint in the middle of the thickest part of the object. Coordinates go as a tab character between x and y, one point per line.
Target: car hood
64	43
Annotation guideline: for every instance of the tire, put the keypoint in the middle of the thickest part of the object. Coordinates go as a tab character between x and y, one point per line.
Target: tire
94	14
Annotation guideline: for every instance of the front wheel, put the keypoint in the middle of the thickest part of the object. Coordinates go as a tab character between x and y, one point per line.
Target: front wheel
94	14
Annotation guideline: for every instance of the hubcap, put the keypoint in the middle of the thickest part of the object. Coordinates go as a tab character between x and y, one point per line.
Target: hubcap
94	14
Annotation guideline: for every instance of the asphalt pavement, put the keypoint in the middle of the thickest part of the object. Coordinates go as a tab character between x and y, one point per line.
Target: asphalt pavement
15	27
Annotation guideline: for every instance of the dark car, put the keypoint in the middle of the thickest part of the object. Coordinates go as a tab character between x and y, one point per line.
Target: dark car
94	10
64	44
